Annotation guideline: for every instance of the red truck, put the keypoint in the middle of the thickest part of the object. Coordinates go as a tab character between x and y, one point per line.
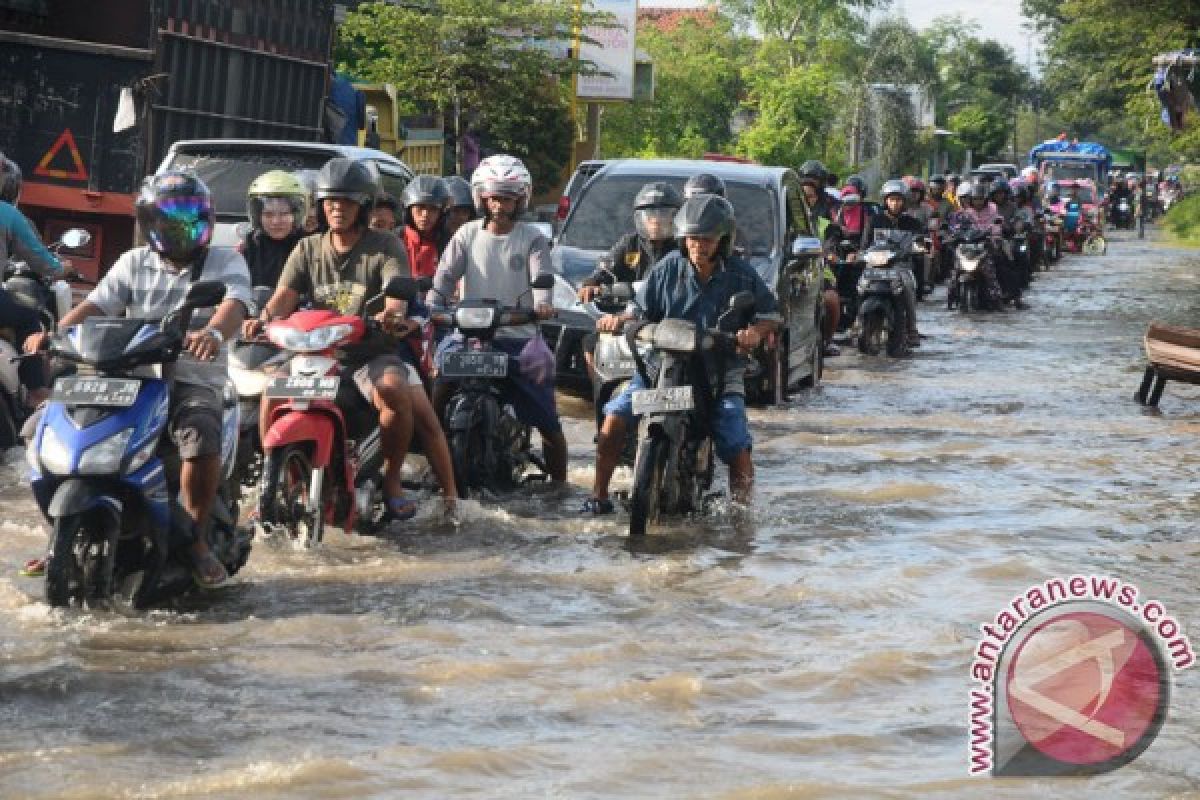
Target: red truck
176	69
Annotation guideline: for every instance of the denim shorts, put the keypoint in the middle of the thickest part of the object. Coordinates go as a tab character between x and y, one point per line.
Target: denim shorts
730	430
534	402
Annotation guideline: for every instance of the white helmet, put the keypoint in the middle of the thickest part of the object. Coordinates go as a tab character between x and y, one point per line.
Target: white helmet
1030	174
963	192
501	175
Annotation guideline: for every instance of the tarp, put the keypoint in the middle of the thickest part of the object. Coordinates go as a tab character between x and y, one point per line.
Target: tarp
1051	146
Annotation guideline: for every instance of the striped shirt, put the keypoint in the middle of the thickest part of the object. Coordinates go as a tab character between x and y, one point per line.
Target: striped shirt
141	286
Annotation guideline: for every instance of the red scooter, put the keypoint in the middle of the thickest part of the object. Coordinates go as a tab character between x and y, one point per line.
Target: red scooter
309	436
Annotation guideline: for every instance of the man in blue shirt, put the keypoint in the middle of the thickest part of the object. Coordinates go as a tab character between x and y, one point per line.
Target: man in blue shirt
696	284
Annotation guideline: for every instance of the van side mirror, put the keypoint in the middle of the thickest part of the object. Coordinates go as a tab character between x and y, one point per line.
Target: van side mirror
806	247
543	281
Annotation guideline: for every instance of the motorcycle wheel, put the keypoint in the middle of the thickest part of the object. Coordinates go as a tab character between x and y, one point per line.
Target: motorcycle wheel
464	446
897	343
80	567
871	336
286	491
780	371
968	297
1094	246
647	485
1141	226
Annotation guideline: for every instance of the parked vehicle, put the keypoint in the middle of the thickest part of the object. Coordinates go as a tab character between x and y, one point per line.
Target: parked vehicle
229	166
582	174
882	316
174	69
1009	171
321	465
775	233
489	447
98	477
674	464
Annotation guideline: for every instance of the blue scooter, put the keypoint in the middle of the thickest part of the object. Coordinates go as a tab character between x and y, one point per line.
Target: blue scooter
120	537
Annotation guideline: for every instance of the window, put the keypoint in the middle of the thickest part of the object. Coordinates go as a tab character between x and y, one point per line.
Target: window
797	211
228	173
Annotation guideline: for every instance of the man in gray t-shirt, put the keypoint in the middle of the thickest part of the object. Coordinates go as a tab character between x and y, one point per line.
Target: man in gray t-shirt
175	214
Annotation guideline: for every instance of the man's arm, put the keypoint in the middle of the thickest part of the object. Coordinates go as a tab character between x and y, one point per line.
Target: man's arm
450	270
26	245
76	315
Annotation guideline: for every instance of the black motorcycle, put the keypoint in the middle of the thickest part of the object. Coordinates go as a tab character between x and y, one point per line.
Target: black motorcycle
612	360
968	284
882	315
674	463
847	270
489	447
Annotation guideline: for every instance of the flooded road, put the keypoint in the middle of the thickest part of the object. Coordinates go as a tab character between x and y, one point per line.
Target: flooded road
821	651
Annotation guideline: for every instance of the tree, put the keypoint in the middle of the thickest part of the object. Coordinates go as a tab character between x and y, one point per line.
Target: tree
793	122
486	58
802	25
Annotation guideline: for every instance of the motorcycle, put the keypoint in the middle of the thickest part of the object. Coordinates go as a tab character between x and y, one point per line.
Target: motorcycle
251	365
674	465
489	447
1052	241
847	269
1122	215
309	437
613	360
882	316
120	536
968	290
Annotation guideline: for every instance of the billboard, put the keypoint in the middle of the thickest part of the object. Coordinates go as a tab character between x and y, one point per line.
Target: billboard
613	53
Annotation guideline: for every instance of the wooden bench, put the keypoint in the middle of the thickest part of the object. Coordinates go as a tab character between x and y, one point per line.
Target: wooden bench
1174	355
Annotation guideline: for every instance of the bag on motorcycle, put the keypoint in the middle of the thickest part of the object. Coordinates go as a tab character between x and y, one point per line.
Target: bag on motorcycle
536	361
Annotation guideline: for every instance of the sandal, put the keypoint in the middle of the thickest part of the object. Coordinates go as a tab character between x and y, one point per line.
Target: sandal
399	509
208	572
35	567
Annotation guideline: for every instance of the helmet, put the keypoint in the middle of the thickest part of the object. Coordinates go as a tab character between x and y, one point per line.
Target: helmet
10	180
938	179
813	171
1000	186
387	200
703	183
1030	174
916	185
654	210
707	215
963	192
276	184
893	187
858	183
979	191
175	212
349	179
1024	194
501	175
458	192
424	190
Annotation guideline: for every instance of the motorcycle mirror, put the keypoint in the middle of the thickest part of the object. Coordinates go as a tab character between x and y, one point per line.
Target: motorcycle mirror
622	291
75	237
204	294
401	288
806	247
742	301
543	281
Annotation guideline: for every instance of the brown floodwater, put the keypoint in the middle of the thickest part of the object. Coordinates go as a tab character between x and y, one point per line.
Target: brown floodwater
820	649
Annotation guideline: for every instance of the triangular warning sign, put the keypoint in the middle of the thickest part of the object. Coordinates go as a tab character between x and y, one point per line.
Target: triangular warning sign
66	139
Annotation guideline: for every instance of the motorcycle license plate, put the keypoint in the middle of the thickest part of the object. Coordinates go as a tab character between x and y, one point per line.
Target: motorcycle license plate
294	387
656	401
89	391
475	365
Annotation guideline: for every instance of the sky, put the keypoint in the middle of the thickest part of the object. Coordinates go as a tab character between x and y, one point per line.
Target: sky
998	19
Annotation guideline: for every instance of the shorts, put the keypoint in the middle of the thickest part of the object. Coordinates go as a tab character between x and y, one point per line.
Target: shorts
194	424
368	376
534	403
730	429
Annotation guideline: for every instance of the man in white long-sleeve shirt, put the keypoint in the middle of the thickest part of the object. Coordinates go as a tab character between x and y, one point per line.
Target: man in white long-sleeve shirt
497	257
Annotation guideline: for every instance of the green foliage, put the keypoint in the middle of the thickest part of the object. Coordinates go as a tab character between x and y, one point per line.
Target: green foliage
538	131
793	122
698	86
1183	220
980	129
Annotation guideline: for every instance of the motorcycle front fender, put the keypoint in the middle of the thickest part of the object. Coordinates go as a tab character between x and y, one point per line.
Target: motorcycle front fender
468	408
316	427
75	496
875	305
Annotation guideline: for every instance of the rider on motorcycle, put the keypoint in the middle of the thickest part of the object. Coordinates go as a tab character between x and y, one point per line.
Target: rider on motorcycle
894	217
385	213
703	183
424	199
695	284
276	205
460	208
344	268
1014	265
175	214
654	209
915	203
499	257
978	212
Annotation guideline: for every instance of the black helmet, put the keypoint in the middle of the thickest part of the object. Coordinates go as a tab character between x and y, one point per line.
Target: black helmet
703	183
424	190
657	195
1000	185
345	177
386	200
813	170
979	190
10	180
458	190
175	212
858	183
707	215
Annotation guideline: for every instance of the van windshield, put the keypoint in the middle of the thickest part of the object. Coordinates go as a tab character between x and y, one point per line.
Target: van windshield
229	173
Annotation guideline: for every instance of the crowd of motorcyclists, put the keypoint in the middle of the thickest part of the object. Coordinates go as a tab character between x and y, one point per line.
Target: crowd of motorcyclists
336	241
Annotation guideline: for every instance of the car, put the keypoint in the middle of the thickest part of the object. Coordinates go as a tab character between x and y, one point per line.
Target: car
583	172
1009	171
229	166
775	232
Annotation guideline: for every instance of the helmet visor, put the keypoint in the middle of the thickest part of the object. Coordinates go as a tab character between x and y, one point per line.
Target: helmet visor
183	224
655	224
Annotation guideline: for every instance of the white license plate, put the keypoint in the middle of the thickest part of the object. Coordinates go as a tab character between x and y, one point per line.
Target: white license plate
87	391
475	365
656	401
299	388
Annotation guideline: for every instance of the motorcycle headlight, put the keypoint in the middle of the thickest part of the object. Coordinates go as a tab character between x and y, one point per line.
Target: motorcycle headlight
474	319
54	455
299	341
879	258
105	456
969	266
